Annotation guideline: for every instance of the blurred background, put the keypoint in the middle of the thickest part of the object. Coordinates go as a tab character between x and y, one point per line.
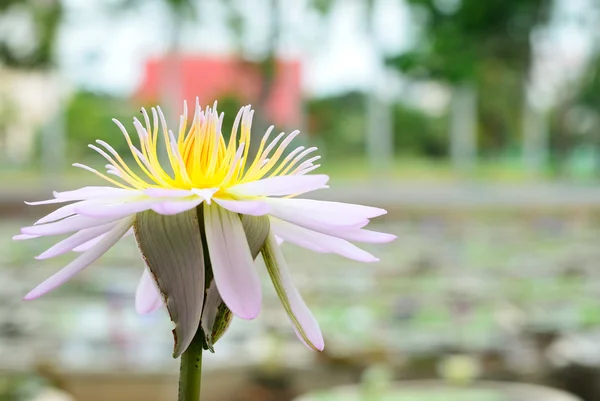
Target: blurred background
476	123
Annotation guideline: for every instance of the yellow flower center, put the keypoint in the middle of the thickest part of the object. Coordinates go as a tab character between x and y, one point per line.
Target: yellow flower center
199	157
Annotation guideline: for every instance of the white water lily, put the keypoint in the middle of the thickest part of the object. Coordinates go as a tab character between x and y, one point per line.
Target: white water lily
205	205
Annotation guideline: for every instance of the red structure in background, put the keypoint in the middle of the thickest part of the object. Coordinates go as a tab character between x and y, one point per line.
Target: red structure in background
211	78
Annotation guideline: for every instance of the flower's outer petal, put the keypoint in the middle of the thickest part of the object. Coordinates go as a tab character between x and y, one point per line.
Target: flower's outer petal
172	248
304	322
87	245
290	235
67	225
147	295
209	315
253	208
216	317
60	213
280	185
257	230
95	193
319	242
360	212
232	263
361	235
79	238
22	237
322	221
83	261
176	206
117	210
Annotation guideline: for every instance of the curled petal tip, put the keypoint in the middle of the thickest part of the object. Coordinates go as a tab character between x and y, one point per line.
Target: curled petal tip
248	315
31	296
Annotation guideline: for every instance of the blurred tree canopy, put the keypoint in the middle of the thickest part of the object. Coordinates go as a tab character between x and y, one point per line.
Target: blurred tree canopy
34	48
483	43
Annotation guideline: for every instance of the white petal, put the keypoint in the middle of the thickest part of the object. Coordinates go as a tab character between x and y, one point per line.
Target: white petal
359	235
147	296
95	193
314	219
75	240
87	245
232	264
338	208
70	224
117	210
281	185
66	211
305	324
167	193
83	261
253	208
176	206
319	242
21	237
206	193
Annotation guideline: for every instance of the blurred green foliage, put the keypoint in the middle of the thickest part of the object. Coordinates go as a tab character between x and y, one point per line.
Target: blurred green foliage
483	43
89	117
339	123
44	18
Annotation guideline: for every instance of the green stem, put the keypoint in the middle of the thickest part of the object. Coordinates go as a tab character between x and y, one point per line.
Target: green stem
190	372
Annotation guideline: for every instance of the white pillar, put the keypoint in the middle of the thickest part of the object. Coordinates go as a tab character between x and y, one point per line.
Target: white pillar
463	128
535	139
380	130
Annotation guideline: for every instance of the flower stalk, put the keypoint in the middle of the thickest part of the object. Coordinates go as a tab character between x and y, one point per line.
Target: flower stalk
190	371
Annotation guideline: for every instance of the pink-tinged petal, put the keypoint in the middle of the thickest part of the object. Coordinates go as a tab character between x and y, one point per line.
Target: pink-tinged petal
253	208
176	206
117	210
70	224
319	242
83	261
47	202
314	219
95	193
75	240
338	208
367	236
290	235
232	264
66	211
281	185
147	296
87	245
22	237
305	324
167	193
58	214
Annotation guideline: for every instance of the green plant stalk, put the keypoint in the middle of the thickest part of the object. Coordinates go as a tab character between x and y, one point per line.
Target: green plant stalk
190	371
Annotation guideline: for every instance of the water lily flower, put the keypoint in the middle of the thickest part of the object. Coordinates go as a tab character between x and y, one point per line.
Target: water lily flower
202	216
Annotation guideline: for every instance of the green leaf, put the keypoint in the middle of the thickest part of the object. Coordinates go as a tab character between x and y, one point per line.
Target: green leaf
172	248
